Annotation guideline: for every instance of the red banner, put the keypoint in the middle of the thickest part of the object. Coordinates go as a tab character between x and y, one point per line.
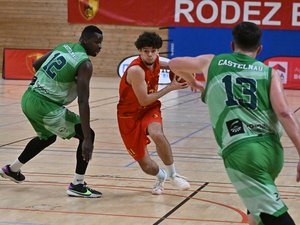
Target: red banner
289	69
270	14
18	63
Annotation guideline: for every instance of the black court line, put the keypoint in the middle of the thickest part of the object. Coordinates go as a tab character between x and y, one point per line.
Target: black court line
180	204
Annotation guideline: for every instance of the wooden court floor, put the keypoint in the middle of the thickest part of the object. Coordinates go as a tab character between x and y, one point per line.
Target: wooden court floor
41	199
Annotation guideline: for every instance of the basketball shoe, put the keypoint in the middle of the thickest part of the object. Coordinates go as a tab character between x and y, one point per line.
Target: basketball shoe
82	190
158	187
180	182
17	177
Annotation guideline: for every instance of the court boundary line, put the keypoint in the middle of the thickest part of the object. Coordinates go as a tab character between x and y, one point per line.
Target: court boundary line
181	204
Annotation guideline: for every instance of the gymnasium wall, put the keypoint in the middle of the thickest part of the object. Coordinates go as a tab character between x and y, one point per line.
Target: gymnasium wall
37	24
218	40
280	48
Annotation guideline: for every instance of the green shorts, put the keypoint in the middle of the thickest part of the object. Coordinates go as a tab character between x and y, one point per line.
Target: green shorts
252	168
48	118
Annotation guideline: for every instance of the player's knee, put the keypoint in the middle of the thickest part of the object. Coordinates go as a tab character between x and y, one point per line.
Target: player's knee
157	136
284	219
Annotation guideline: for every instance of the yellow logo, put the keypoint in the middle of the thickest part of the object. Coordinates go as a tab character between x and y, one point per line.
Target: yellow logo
155	116
88	8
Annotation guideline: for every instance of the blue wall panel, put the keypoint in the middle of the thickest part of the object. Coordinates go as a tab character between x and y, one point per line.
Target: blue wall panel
191	41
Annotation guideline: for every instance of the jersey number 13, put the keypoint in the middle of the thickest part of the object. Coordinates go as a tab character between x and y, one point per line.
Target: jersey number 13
248	86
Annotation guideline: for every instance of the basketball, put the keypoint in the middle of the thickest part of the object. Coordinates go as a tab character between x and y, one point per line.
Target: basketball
178	78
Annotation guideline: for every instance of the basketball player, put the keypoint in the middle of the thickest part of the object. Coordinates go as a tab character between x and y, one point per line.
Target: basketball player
246	102
139	112
61	75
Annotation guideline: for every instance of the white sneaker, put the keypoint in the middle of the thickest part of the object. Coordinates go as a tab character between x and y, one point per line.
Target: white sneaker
180	182
159	186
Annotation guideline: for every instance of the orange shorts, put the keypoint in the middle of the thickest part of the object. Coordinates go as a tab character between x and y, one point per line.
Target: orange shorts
134	131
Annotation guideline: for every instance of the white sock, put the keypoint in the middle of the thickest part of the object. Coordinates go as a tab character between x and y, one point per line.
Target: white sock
78	179
161	174
171	170
16	166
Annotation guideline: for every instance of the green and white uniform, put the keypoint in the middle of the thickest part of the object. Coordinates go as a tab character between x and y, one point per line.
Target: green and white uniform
246	129
53	87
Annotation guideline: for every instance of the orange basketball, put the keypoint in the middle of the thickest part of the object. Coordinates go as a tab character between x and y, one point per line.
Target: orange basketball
178	79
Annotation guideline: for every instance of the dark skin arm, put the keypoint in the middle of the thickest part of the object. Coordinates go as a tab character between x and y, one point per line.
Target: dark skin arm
38	63
84	75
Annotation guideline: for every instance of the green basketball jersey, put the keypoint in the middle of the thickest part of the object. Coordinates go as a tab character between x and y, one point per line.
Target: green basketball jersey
56	78
237	95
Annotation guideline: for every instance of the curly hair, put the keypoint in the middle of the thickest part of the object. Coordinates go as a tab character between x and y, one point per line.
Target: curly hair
148	39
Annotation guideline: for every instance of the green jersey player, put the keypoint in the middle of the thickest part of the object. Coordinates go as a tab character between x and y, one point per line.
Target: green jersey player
62	75
246	103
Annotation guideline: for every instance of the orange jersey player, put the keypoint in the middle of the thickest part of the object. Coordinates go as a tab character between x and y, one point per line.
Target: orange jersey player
139	114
